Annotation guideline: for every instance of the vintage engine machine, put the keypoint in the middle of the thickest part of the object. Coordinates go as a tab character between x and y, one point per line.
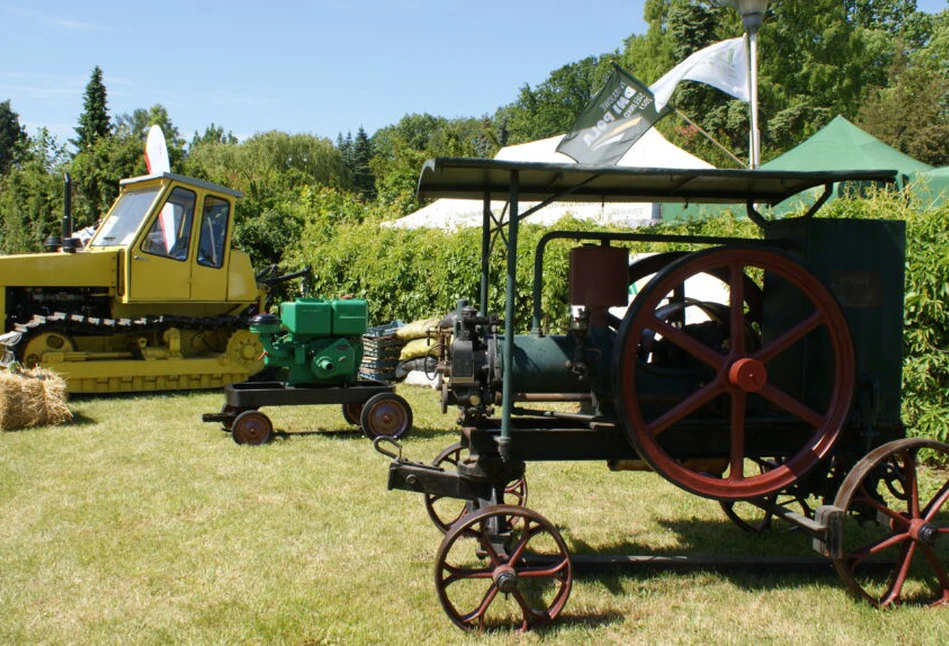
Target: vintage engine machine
763	371
312	352
314	341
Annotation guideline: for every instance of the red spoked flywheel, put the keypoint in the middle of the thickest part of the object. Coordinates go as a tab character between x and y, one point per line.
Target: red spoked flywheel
737	370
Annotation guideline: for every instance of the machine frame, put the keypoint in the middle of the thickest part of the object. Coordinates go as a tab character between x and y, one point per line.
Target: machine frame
498	446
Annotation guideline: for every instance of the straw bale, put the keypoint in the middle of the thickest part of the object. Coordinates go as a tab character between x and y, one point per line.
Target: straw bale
32	397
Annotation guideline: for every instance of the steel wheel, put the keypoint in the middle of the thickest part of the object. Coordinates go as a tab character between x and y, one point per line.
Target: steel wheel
751	518
650	265
489	574
352	412
445	512
252	427
232	412
895	516
385	414
732	373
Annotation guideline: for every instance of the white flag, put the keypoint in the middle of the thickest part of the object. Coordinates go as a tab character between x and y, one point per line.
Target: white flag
723	65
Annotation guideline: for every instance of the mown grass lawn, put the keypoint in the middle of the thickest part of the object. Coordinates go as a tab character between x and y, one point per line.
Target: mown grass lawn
140	524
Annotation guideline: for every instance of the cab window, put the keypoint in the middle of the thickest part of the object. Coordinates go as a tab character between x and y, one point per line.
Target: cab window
170	234
213	234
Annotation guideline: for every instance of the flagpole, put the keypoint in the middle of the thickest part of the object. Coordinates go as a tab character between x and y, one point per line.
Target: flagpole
752	16
755	127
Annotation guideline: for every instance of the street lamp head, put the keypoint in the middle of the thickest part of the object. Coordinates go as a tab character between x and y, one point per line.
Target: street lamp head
752	12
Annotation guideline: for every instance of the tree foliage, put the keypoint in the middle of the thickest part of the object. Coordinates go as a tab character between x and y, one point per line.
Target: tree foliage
94	121
13	137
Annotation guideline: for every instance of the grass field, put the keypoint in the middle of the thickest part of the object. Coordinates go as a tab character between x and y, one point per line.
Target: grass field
139	524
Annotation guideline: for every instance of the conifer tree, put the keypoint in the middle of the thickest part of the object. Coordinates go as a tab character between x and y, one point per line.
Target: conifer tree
94	120
363	180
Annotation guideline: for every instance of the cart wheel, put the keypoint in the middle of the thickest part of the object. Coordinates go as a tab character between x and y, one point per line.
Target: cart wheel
896	529
252	427
491	573
386	414
751	518
352	412
232	412
445	512
731	374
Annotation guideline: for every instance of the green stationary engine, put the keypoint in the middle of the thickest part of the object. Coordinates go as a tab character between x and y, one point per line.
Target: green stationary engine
314	341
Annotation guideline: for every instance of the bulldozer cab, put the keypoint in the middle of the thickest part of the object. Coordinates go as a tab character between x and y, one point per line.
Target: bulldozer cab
175	234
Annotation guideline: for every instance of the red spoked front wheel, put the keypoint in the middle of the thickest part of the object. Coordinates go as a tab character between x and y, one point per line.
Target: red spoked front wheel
732	372
503	567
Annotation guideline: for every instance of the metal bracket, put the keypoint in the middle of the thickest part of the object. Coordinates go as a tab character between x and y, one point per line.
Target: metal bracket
831	544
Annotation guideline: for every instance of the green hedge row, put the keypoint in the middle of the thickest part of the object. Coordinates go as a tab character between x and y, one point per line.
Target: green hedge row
414	274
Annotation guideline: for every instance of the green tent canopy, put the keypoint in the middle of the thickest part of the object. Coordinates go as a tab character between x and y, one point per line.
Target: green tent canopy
840	145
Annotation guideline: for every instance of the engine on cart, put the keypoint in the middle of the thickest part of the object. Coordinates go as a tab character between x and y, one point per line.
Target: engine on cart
314	341
577	365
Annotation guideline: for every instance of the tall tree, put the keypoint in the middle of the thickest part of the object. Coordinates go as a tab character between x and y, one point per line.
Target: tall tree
94	120
360	171
553	106
13	138
213	134
137	124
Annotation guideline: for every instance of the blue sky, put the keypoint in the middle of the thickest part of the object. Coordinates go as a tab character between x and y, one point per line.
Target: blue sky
322	67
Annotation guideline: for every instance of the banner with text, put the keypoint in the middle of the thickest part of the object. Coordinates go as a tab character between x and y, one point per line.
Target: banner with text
618	115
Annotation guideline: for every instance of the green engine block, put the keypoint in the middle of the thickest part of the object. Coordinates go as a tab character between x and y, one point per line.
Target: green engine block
314	341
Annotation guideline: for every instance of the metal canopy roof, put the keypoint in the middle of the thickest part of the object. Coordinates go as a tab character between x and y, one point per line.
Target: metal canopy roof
474	178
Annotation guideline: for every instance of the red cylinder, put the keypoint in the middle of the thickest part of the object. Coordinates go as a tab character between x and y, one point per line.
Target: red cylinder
599	276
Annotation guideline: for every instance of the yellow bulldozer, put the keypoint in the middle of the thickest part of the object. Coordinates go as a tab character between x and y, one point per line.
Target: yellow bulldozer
156	300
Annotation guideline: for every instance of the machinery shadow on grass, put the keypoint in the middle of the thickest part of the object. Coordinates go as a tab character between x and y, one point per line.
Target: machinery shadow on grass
769	560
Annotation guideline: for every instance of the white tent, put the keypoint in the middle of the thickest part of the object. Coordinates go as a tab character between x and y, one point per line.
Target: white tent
652	150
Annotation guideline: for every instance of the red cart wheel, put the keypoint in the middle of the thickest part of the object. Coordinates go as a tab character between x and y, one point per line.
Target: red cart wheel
492	573
445	512
252	427
232	412
900	519
751	518
386	414
352	412
735	372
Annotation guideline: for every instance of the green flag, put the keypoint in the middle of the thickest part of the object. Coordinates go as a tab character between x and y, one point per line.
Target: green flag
611	123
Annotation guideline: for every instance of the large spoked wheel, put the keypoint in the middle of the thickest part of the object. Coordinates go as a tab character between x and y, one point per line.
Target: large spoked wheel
491	572
896	530
385	414
733	371
252	427
650	265
756	518
445	512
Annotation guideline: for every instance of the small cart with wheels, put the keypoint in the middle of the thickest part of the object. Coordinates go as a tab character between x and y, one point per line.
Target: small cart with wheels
314	348
371	405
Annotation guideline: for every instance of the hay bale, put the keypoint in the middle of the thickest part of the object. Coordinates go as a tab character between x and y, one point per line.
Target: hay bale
32	397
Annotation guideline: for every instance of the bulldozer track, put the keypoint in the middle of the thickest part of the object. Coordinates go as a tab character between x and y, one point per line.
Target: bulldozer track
81	325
